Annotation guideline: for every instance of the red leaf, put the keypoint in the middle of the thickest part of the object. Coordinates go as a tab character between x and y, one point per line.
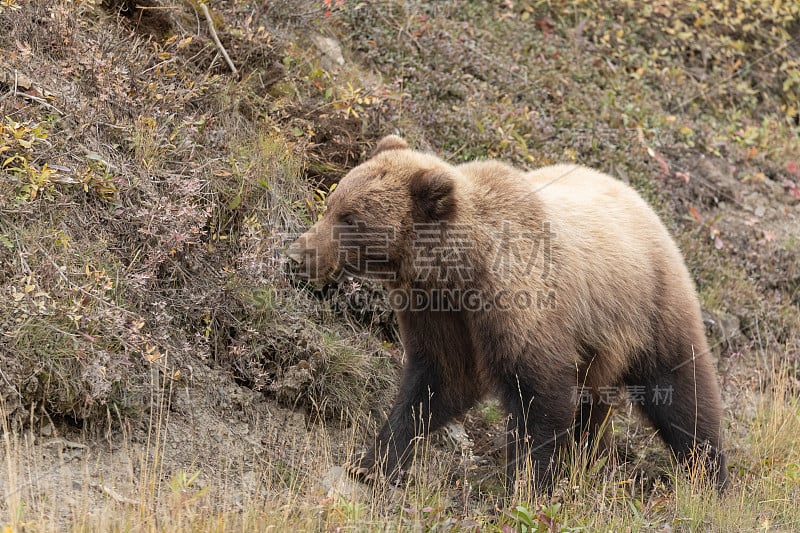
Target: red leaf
792	167
718	244
660	160
663	164
791	188
546	520
544	24
697	216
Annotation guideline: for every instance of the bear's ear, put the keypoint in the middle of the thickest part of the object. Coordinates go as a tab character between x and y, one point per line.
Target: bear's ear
390	142
432	195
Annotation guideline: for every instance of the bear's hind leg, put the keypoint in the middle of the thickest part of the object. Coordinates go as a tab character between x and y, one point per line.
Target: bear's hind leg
683	403
591	425
542	418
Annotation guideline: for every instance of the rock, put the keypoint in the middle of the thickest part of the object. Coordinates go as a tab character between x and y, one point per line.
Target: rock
336	482
455	433
729	326
330	48
292	384
723	327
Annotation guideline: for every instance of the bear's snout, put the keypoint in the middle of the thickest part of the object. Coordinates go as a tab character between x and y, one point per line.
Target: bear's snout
296	252
300	257
309	257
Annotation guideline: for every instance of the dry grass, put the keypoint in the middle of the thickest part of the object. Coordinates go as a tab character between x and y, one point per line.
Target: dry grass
607	495
152	347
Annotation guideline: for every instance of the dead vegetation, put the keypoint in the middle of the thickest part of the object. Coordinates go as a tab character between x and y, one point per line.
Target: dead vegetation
146	207
147	192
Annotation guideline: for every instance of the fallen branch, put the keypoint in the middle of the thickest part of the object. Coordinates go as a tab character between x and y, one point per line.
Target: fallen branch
216	39
64	443
114	495
21	82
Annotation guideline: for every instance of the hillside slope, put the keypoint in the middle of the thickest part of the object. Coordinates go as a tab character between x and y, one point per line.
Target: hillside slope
160	370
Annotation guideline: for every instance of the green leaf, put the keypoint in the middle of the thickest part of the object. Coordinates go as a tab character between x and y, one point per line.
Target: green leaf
8	243
235	202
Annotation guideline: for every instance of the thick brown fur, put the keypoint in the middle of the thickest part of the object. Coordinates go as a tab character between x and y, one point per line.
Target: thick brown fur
595	294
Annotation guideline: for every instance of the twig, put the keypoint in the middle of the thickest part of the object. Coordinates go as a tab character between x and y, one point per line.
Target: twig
64	443
216	39
34	98
114	495
8	382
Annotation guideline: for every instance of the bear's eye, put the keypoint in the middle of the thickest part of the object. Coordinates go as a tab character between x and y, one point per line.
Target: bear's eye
348	220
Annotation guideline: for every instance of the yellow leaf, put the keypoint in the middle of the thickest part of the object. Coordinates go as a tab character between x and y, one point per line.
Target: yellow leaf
22	160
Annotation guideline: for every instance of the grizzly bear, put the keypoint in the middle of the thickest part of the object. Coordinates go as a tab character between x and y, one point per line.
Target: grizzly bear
546	288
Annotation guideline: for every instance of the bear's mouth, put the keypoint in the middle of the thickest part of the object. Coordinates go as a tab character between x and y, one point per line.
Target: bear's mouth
308	273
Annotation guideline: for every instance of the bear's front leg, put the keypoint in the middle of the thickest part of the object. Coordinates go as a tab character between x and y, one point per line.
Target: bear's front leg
417	410
424	403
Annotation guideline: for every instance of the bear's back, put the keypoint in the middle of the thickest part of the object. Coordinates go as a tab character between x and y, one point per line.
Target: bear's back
587	205
622	262
614	266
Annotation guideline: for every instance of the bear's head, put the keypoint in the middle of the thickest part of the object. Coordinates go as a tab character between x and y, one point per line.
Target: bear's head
368	228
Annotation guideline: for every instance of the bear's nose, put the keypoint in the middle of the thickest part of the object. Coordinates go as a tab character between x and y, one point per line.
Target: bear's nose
295	253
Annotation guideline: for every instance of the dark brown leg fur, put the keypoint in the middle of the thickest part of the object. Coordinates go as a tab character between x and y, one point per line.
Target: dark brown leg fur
439	383
542	418
682	400
590	421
